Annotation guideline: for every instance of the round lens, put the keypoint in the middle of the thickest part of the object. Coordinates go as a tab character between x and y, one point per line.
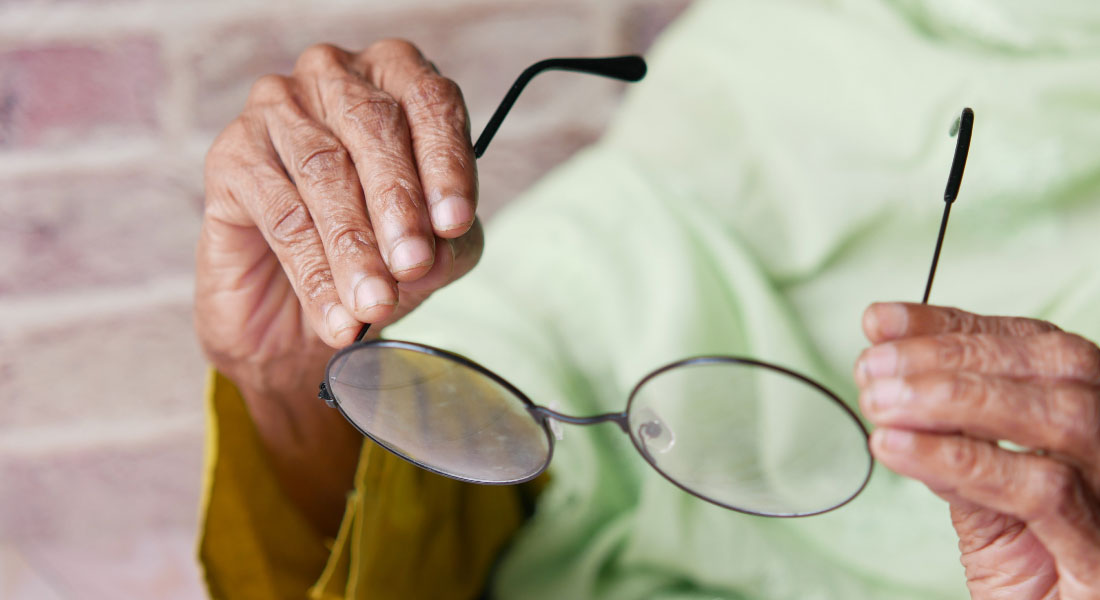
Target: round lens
439	411
750	436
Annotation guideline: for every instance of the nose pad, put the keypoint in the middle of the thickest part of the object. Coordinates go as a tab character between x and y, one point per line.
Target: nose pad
652	433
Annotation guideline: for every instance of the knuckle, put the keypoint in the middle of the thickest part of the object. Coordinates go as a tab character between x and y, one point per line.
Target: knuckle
346	239
1045	325
1017	354
967	387
1074	414
372	113
1071	355
434	90
443	153
961	458
222	149
1057	493
961	321
395	198
394	47
315	280
323	161
1087	357
320	57
288	221
985	351
951	351
270	89
1023	326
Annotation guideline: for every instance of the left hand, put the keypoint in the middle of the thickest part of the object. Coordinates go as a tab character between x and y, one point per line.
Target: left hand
943	386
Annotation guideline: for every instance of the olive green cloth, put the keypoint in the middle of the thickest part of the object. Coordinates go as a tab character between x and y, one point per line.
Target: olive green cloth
406	533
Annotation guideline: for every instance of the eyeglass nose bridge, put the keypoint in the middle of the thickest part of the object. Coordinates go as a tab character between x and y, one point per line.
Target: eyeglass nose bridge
619	418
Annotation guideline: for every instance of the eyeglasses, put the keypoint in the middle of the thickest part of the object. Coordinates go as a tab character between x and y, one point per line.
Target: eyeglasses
743	434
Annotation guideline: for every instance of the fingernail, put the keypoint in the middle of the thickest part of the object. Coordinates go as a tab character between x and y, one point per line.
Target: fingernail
893	440
886	393
880	361
891	318
451	212
372	291
339	319
410	254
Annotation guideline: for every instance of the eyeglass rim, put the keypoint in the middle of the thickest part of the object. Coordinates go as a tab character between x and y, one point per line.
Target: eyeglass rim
541	418
717	358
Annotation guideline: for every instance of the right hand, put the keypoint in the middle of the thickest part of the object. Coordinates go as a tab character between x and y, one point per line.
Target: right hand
343	194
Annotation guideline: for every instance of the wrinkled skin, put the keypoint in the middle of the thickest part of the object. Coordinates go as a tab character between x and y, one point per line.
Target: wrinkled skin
943	386
342	194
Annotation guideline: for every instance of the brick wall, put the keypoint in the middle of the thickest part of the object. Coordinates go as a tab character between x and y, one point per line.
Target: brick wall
106	110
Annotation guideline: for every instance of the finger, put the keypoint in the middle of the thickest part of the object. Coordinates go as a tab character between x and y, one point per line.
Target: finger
371	125
439	128
282	217
1055	355
1048	495
454	258
996	548
1057	416
884	321
329	185
468	249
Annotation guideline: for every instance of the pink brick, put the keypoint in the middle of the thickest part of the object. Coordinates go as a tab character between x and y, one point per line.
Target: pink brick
62	93
226	62
107	522
75	230
105	519
143	364
78	495
19	580
134	562
644	22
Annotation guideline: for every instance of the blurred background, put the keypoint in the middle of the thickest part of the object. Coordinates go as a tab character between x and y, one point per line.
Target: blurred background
106	110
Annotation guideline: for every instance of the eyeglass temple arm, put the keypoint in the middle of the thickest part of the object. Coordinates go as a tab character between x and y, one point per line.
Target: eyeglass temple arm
964	127
626	68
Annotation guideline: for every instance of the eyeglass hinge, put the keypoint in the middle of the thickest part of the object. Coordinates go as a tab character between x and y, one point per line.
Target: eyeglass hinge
325	395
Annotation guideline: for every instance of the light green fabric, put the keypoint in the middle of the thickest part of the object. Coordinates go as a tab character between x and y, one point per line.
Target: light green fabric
780	168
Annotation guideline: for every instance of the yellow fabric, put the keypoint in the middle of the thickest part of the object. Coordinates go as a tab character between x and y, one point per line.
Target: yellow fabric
406	533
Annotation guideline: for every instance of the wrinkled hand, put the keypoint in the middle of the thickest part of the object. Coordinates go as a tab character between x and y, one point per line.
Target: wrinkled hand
342	194
943	387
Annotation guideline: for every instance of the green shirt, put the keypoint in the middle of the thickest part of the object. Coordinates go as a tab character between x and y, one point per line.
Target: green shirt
781	167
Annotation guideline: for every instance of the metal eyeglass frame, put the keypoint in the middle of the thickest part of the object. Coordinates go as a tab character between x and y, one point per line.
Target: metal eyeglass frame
633	68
